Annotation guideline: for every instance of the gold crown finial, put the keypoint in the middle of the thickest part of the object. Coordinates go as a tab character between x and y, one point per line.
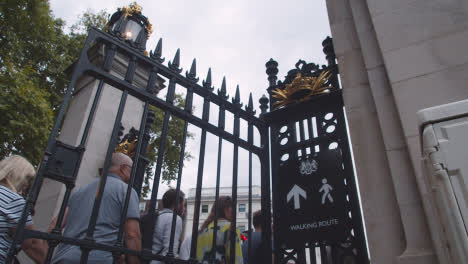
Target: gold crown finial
301	89
127	147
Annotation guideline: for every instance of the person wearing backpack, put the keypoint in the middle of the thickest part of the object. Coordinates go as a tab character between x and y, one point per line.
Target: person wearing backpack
162	228
221	253
259	252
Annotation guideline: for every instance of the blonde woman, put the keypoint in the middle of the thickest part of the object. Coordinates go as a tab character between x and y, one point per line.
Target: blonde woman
16	173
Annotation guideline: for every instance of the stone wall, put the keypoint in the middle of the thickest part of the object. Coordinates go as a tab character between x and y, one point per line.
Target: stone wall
395	58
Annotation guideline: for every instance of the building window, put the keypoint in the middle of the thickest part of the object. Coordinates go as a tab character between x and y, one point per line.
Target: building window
241	228
204	208
241	208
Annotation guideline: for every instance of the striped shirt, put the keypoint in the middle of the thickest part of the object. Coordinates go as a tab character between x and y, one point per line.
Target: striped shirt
11	207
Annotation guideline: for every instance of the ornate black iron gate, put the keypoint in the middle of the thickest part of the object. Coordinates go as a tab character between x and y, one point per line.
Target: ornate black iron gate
317	216
61	162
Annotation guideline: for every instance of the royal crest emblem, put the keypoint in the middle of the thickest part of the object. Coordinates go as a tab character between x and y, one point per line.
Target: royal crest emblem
308	167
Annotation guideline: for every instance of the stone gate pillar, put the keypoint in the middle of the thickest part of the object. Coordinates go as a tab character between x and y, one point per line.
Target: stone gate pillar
100	130
396	225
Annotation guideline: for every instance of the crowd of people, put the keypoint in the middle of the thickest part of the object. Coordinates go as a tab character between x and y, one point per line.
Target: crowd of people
16	175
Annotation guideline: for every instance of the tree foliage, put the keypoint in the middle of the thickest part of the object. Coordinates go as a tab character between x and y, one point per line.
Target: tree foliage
35	50
29	76
25	113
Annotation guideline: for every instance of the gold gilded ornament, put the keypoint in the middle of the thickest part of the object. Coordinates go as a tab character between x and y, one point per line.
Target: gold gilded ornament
301	89
149	29
136	8
127	148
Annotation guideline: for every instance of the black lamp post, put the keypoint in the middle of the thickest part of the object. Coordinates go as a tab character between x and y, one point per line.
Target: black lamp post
130	25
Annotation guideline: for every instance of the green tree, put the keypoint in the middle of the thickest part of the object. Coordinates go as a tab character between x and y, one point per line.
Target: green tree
25	113
28	35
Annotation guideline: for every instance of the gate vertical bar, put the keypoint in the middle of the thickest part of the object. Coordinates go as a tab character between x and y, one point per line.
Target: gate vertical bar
265	179
188	108
265	190
148	238
235	171
201	163
143	124
271	71
312	255
324	254
221	125
146	136
251	111
97	202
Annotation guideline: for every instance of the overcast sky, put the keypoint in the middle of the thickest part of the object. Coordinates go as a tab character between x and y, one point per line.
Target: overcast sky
235	39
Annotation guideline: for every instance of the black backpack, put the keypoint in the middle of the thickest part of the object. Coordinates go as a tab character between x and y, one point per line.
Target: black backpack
147	224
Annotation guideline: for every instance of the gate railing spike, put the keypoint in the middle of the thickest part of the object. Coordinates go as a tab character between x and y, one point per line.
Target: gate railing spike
192	75
222	92
140	42
207	82
157	52
249	108
236	100
174	65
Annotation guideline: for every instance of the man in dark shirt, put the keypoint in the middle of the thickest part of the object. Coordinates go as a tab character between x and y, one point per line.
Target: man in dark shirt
258	254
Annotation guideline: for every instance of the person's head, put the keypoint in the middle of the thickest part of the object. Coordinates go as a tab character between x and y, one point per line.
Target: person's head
16	173
169	201
224	207
257	220
121	165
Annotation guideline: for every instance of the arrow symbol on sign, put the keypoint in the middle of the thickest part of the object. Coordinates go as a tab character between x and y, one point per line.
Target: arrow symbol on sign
295	192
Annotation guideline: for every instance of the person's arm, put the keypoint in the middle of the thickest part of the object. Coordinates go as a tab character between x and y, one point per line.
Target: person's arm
177	235
239	258
54	221
166	237
245	251
166	232
184	252
35	248
133	238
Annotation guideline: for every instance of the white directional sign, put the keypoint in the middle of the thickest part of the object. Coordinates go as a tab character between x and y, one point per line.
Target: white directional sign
312	200
295	192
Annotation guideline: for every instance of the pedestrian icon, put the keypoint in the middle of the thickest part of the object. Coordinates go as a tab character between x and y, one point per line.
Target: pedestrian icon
326	188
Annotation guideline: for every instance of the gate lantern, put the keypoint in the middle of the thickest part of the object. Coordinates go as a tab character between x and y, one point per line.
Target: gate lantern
129	24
